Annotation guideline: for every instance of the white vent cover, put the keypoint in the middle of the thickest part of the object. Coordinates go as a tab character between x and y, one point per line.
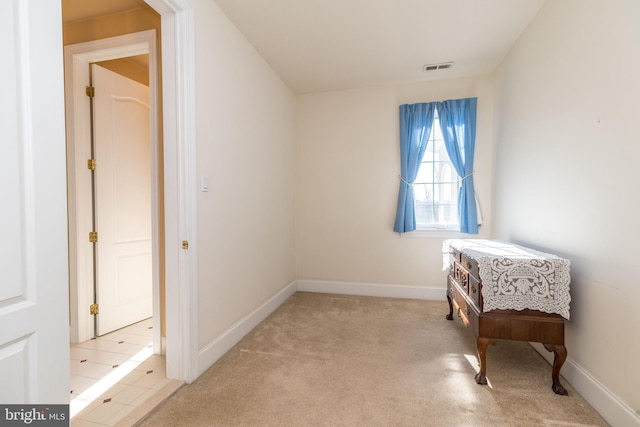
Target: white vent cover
440	66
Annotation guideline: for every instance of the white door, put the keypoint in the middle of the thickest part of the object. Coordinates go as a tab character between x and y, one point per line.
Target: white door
123	200
34	329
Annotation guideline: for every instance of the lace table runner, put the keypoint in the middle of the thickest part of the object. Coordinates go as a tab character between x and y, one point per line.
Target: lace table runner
516	278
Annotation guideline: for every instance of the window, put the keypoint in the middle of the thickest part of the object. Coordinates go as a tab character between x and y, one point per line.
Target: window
435	189
434	192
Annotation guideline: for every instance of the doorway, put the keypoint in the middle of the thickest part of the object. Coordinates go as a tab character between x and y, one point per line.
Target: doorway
179	195
78	58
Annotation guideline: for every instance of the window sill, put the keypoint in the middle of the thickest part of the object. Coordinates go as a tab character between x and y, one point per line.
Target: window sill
435	233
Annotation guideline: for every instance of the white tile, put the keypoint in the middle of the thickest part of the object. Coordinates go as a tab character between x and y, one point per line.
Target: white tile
106	357
143	397
78	381
153	380
129	348
87	404
90	369
99	356
142	328
140	331
125	334
146	322
109	358
79	390
132	377
129	394
120	415
160	384
155	362
106	392
135	339
112	346
113	336
75	422
103	412
92	345
77	353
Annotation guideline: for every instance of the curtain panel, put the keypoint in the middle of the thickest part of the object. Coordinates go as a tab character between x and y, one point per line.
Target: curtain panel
415	126
458	123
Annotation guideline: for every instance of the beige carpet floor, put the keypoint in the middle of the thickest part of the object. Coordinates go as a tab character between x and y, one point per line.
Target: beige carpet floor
335	360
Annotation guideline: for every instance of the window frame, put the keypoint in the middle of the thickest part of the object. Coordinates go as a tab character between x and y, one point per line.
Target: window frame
433	229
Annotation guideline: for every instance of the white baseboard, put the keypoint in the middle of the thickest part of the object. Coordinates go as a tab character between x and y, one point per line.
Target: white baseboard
607	404
213	351
373	290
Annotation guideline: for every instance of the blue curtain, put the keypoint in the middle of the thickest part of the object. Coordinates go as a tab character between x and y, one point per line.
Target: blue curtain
415	127
458	123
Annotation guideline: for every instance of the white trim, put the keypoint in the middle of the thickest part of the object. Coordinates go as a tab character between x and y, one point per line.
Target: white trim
225	341
373	290
77	59
181	268
607	404
438	233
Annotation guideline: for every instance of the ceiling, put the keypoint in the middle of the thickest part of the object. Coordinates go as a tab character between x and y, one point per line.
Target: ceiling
76	10
322	45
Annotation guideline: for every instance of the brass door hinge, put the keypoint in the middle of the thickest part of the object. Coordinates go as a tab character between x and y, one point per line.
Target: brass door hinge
93	236
91	164
94	309
90	91
185	244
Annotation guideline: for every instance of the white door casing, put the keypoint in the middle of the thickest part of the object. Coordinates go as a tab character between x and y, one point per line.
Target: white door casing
180	207
180	202
122	200
34	349
77	60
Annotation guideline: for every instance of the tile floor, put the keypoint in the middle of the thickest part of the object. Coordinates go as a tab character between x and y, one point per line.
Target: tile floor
113	375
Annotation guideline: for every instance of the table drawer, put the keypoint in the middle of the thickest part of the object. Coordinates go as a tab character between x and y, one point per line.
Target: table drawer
463	308
456	254
475	291
462	276
471	265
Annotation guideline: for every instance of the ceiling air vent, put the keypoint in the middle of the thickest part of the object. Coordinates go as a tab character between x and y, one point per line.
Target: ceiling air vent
441	66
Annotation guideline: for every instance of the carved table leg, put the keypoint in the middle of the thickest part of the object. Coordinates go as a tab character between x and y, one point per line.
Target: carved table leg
482	343
559	356
450	315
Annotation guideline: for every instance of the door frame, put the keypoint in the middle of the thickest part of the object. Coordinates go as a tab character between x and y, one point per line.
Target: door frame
180	204
180	185
78	57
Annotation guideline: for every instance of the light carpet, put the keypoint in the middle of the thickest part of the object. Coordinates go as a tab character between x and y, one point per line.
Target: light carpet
335	360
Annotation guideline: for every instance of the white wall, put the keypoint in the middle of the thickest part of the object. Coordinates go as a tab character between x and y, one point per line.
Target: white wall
347	169
567	150
245	146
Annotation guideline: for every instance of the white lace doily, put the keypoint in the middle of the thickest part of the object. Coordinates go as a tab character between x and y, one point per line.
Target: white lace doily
517	278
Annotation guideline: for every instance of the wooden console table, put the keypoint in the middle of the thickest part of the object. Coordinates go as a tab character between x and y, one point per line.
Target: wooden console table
519	282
